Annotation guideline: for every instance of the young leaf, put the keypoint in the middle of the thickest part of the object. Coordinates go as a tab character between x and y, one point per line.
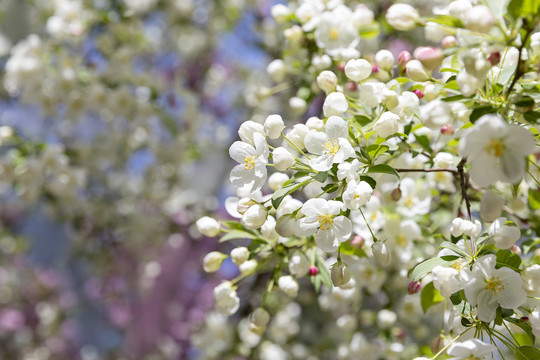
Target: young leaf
426	266
430	296
383	168
280	194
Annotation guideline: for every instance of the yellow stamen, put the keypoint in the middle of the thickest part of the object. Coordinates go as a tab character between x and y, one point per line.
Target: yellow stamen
494	285
401	240
333	34
495	148
331	147
250	162
325	221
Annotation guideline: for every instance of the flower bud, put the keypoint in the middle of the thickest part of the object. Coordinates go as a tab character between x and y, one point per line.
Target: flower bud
362	16
212	261
313	271
327	81
414	287
358	69
430	92
387	124
449	41
357	241
282	159
288	285
247	129
277	70
226	300
276	180
515	249
437	344
297	105
294	34
467	83
416	71
505	236
299	264
479	18
386	318
239	255
280	13
269	228
340	274
403	58
402	17
389	98
352	86
494	58
314	123
447	129
459	9
418	93
273	126
244	204
385	59
335	104
430	57
208	226
285	225
443	160
297	135
381	253
258	321
395	195
321	62
248	267
254	217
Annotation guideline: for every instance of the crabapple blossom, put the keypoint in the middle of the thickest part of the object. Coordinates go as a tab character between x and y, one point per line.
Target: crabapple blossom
402	17
252	159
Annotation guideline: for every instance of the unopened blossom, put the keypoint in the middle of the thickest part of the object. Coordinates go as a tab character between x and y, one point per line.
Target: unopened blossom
239	255
212	261
465	227
381	253
226	300
387	124
446	280
488	287
531	280
248	129
252	162
327	81
496	150
277	70
335	104
416	71
340	274
357	194
254	217
370	93
258	320
358	69
299	264
276	180
273	126
471	349
479	18
322	218
332	146
208	226
288	285
402	17
385	59
282	158
491	206
504	236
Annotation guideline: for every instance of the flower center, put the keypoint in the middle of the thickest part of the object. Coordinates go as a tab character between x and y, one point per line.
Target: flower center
325	221
494	285
333	34
495	148
250	162
331	147
401	240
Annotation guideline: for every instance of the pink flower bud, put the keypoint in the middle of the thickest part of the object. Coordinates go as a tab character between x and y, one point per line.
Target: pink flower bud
396	194
449	41
525	318
403	58
375	68
341	66
429	56
447	129
515	249
494	58
418	93
313	271
352	85
414	287
357	241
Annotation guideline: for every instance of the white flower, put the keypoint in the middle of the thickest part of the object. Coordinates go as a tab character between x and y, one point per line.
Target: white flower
349	170
467	83
327	81
277	70
357	194
416	71
505	236
387	124
479	18
446	280
321	217
273	126
496	150
488	287
247	131
443	160
239	255
299	264
340	274
470	349
280	13
212	261
535	322
435	114
297	135
407	106
332	146
288	285
253	160
531	280
459	8
335	104
413	202
402	17
276	180
226	300
282	158
208	226
371	92
314	123
460	226
357	69
491	206
381	253
335	31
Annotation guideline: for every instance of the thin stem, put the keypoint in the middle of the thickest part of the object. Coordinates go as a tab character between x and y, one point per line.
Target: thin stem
454	171
464	186
369	227
448	345
296	147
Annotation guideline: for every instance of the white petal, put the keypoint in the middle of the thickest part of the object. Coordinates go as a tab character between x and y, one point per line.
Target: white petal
314	142
484	169
326	241
512	165
342	228
336	128
322	163
240	150
241	176
304	227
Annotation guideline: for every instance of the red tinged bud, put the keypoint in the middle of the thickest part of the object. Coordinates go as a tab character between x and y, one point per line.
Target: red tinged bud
418	93
313	271
414	287
447	129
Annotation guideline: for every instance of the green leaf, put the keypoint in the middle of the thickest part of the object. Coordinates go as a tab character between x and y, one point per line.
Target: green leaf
323	272
237	234
370	31
481	111
525	326
504	76
534	199
374	150
524	102
523	8
362	120
321	176
449	70
498	7
280	194
527	353
256	245
424	142
384	169
369	180
329	188
430	296
507	259
453	98
456	297
445	20
347	249
426	266
453	247
532	117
